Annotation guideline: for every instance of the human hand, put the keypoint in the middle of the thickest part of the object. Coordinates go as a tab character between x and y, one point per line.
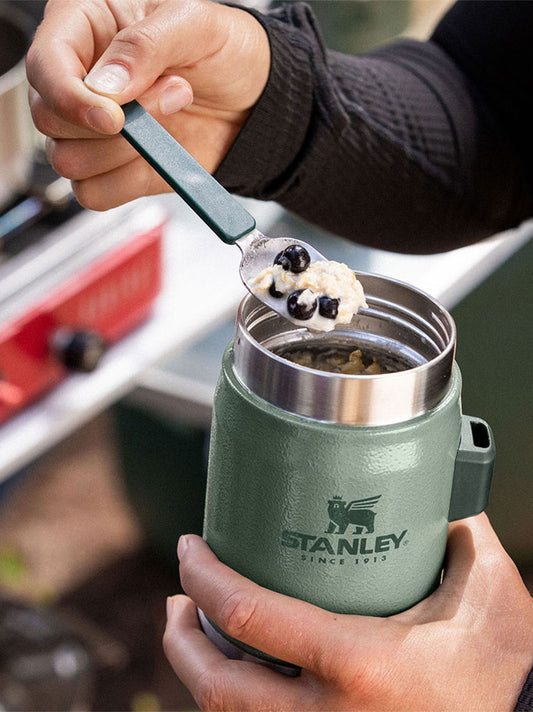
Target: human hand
196	65
468	646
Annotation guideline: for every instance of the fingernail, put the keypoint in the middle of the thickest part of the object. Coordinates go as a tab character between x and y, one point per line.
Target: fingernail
109	79
175	98
101	120
170	606
183	545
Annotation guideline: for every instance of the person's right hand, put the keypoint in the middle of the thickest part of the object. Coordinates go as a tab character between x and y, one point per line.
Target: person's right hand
196	65
467	647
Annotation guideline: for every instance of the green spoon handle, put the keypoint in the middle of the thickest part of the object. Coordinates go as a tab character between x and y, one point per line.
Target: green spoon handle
217	208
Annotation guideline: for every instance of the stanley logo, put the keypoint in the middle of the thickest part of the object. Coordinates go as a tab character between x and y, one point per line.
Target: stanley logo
358	512
354	544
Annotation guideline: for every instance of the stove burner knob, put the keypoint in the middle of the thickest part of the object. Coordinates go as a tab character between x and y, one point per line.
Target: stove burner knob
78	350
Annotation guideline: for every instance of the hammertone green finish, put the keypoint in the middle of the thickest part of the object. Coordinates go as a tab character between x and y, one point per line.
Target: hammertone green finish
353	519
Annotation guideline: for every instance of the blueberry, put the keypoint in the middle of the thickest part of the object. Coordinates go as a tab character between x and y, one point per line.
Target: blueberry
294	258
328	307
273	291
297	310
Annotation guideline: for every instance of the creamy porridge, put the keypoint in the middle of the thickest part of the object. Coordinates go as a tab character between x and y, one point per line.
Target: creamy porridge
352	362
319	295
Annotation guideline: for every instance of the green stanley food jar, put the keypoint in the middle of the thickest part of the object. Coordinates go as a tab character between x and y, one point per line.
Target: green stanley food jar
337	489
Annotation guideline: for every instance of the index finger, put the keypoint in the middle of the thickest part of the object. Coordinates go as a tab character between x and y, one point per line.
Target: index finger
278	625
217	682
62	52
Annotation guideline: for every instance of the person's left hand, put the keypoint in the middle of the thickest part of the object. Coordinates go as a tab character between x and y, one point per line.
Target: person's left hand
467	647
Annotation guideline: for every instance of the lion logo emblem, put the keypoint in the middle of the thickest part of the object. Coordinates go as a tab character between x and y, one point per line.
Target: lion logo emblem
358	512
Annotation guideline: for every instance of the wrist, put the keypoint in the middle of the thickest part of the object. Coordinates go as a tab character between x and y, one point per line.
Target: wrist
245	56
273	133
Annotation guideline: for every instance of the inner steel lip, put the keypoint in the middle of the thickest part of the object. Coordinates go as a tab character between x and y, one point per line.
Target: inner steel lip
401	323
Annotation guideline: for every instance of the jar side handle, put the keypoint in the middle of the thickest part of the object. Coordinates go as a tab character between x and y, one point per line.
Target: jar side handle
474	465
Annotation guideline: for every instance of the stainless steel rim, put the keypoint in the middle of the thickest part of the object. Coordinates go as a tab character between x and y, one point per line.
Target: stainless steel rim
401	323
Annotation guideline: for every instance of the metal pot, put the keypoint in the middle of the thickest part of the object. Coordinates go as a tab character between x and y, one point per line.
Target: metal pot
17	144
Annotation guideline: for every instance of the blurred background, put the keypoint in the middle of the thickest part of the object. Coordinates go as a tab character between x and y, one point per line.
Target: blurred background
105	468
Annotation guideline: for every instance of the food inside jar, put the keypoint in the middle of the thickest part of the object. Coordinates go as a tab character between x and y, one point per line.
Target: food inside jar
349	361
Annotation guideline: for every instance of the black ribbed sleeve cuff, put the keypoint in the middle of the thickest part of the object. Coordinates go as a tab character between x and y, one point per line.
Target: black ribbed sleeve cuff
525	701
269	142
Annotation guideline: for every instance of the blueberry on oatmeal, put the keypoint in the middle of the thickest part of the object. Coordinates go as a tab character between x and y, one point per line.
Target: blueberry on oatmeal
274	292
294	258
328	307
301	308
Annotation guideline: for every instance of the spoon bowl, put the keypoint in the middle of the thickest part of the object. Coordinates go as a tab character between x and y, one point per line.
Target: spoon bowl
258	253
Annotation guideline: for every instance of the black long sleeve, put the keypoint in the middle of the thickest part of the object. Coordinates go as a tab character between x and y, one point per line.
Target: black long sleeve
414	147
525	700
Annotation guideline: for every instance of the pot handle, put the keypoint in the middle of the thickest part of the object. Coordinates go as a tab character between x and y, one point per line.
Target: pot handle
473	469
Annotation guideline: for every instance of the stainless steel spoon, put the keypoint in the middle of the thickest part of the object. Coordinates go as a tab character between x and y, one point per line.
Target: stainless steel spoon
219	209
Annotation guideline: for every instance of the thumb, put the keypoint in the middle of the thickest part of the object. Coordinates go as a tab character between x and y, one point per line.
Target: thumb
144	56
169	94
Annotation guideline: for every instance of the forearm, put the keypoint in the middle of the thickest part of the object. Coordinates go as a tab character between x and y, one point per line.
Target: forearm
394	148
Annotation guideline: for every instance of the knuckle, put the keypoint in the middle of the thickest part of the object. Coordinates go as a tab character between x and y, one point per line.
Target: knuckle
90	198
322	663
211	692
81	192
367	677
137	40
49	119
32	61
340	661
329	662
61	160
48	115
238	614
40	123
40	115
490	560
35	59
